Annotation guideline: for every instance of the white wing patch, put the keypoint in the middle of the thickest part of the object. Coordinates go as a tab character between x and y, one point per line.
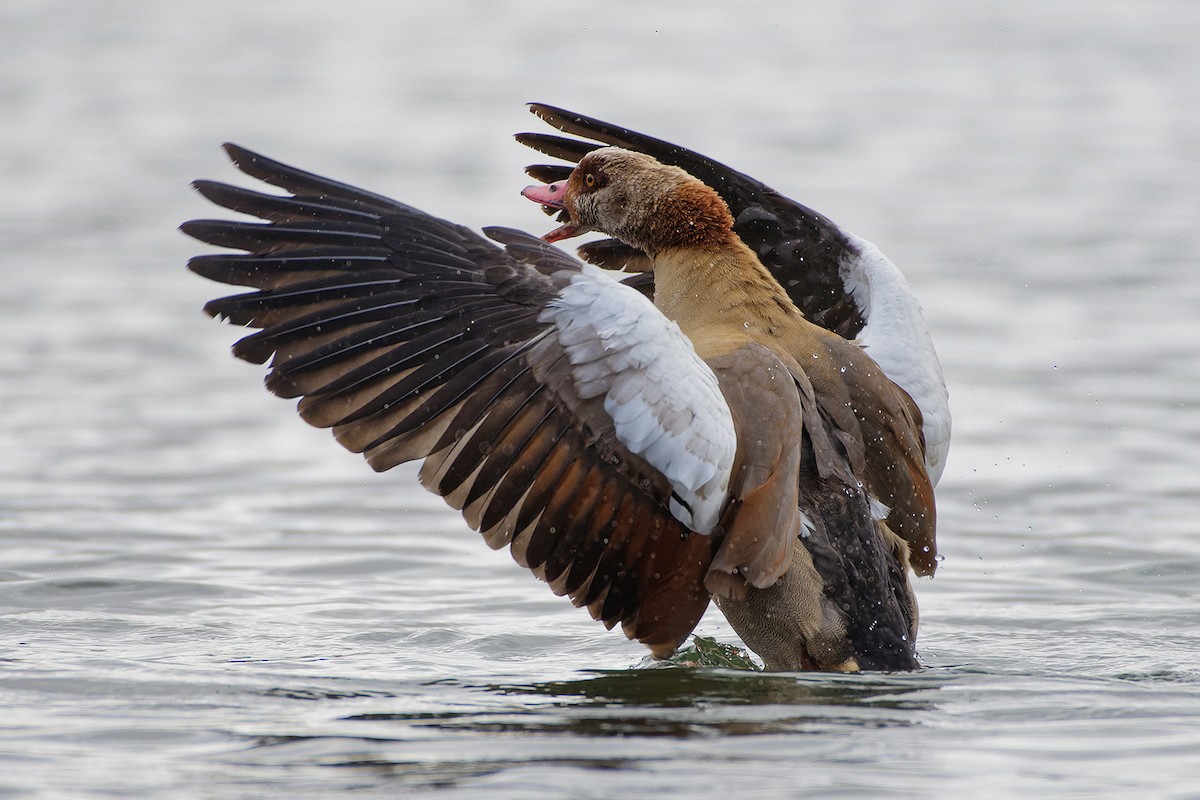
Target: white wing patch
895	335
664	401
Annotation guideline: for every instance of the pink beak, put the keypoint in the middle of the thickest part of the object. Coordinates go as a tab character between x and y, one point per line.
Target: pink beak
552	195
548	194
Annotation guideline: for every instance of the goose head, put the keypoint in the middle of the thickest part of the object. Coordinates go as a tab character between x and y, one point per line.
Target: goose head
639	200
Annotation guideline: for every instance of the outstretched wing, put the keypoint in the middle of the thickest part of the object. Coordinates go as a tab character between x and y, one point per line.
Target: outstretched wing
544	397
802	248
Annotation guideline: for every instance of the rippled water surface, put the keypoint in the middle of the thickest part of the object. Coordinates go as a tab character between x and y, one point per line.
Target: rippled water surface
201	597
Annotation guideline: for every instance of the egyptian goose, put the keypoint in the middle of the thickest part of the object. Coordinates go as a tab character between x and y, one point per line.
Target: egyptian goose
840	281
639	459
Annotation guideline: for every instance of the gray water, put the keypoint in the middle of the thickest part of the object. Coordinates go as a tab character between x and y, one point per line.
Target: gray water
202	597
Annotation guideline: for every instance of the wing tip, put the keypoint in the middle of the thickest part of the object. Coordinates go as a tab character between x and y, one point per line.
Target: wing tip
212	307
195	228
558	117
212	191
540	110
238	154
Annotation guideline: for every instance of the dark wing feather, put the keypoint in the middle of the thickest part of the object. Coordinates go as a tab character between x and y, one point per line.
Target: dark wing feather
802	248
415	338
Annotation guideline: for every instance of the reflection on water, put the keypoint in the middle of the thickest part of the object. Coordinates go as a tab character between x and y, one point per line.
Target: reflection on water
683	702
682	687
454	732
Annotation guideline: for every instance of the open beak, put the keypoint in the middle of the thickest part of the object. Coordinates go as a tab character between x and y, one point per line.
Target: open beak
550	196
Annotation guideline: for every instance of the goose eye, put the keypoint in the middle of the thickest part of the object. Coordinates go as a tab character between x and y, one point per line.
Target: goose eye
589	181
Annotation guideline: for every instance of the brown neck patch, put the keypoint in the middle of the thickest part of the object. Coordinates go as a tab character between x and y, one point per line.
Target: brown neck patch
690	215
